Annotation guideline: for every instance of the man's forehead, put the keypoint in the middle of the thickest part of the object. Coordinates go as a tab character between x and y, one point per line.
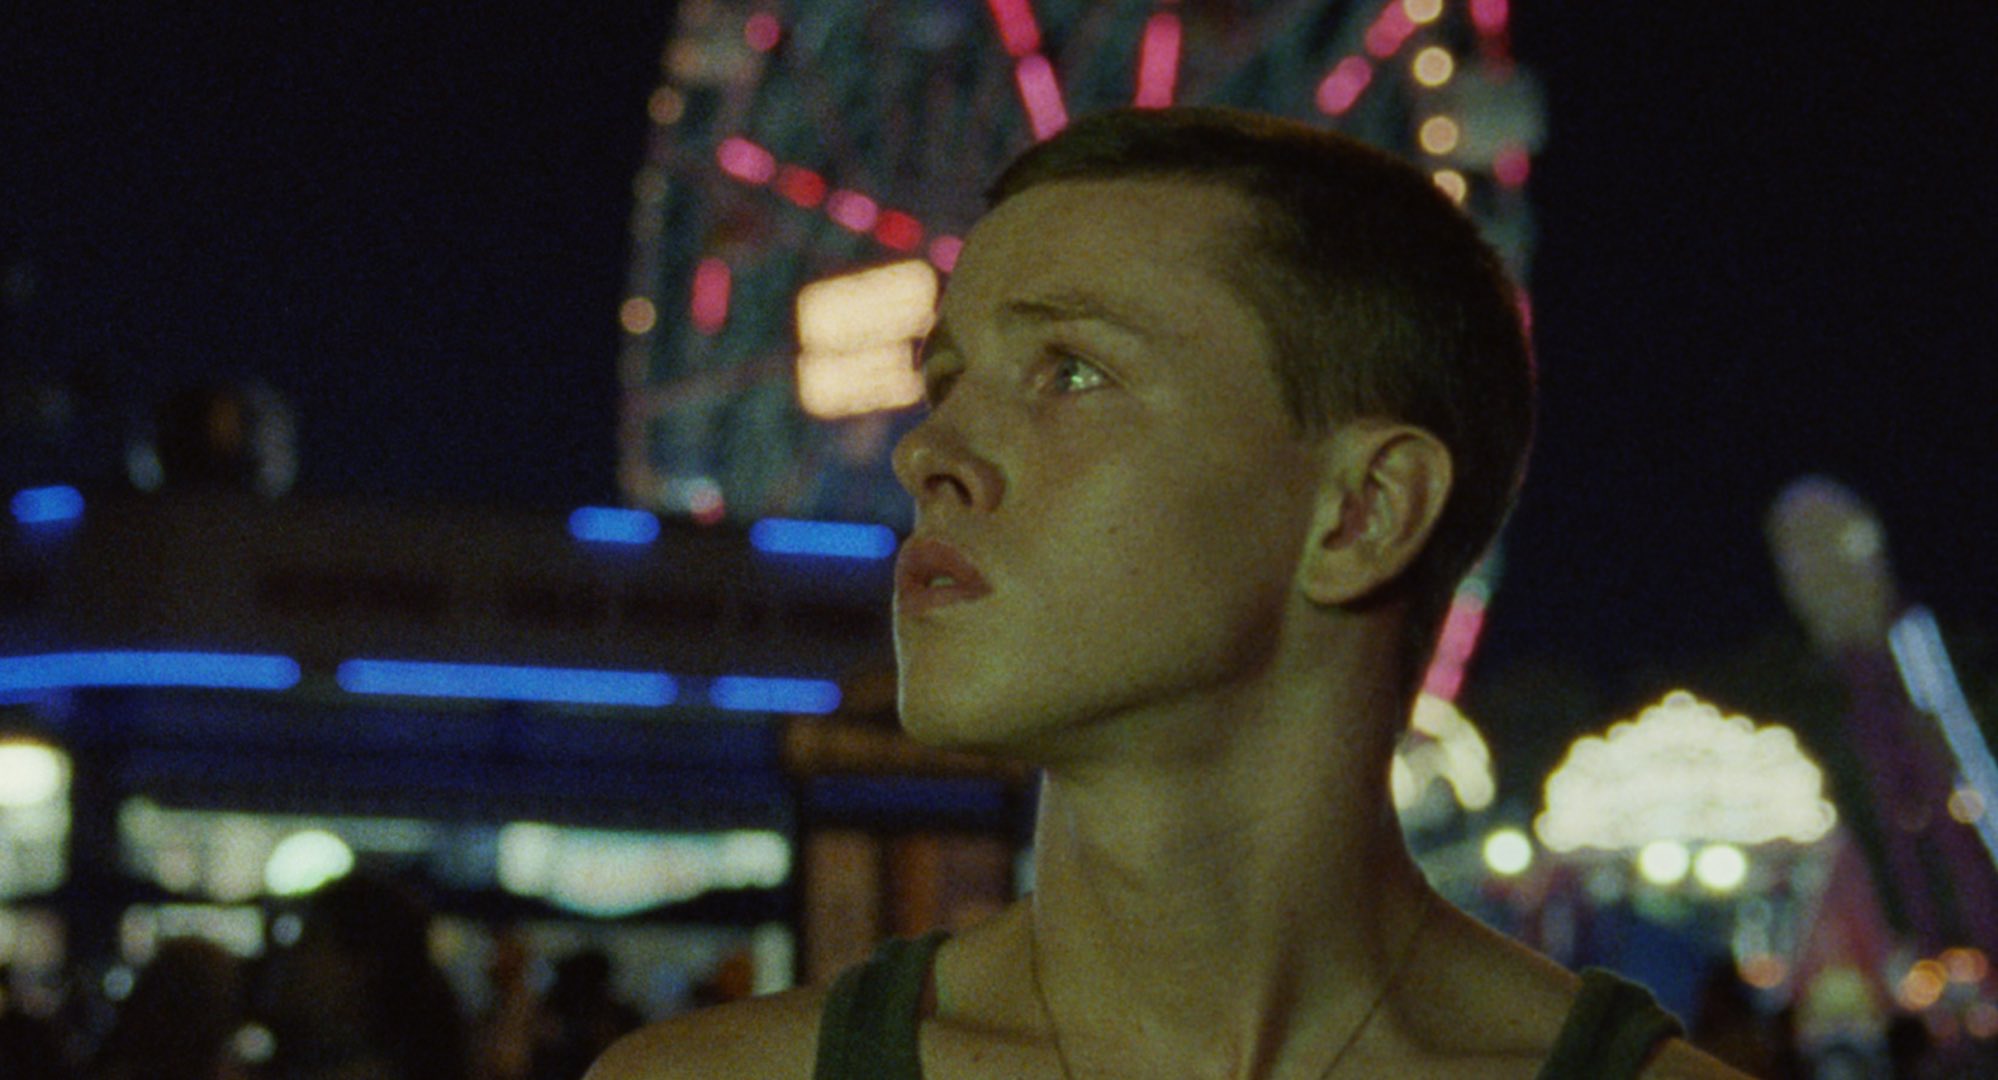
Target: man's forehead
1139	250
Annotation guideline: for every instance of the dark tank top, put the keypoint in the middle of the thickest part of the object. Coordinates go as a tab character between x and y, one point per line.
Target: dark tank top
867	1030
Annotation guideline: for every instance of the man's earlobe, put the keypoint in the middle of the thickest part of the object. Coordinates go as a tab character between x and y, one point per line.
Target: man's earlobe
1385	488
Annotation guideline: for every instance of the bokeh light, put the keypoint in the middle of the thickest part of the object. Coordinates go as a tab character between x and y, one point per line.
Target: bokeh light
1433	66
1721	867
1681	771
1664	862
1508	852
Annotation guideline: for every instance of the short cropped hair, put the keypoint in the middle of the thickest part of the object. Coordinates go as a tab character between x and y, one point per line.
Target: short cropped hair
1380	295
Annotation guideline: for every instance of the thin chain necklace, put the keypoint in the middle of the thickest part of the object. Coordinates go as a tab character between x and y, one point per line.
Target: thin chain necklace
1394	975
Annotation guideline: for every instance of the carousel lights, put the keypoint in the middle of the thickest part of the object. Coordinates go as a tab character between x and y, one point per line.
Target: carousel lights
1682	772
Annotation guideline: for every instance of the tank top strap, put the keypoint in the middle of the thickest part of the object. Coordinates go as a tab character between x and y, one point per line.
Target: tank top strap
1612	1030
867	1030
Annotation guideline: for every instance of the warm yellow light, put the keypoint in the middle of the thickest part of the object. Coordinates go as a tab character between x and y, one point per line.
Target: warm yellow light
31	773
857	335
1422	12
1433	66
1966	805
1922	986
1682	771
1508	852
1981	1020
1452	183
1965	965
1764	971
872	307
1439	135
1664	862
1721	867
666	106
875	379
637	315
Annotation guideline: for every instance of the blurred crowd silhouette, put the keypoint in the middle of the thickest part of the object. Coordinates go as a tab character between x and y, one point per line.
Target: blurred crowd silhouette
355	995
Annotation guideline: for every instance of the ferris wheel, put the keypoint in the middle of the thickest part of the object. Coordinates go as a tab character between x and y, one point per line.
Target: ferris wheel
796	141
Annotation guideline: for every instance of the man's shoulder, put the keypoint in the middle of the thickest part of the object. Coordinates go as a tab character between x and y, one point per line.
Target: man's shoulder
776	1035
1681	1060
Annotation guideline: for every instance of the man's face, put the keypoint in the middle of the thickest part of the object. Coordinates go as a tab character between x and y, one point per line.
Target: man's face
1107	443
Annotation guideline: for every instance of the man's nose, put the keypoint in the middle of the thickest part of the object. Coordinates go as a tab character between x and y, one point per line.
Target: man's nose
935	461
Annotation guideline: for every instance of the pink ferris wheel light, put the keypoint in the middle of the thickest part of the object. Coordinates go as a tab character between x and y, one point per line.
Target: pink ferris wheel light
1158	61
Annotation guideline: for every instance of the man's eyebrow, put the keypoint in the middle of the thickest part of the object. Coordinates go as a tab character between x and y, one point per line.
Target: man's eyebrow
1049	308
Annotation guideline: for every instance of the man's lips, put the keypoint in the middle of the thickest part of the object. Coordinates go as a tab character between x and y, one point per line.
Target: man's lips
922	561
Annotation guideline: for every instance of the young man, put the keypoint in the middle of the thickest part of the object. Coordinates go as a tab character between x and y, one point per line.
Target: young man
1221	408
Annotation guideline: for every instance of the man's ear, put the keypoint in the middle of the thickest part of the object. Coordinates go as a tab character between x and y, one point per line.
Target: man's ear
1382	487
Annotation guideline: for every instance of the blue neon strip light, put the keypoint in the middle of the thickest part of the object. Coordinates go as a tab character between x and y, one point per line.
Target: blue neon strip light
67	671
839	540
1930	678
606	525
496	682
47	505
746	694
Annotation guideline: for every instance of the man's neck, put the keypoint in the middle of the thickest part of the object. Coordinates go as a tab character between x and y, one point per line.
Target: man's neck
1225	916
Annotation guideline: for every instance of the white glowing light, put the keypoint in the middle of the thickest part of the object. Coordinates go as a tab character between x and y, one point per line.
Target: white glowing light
306	860
1508	852
856	335
611	874
1721	867
1664	862
31	773
1683	772
1453	752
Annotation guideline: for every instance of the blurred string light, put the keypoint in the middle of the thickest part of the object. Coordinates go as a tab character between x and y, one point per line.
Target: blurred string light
1451	752
78	670
856	339
500	682
1932	685
611	874
613	525
55	505
1681	772
823	539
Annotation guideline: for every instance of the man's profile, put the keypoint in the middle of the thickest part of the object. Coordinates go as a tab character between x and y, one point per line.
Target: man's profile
1221	408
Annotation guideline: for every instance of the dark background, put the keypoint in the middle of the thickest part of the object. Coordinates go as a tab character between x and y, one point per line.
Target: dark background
1765	250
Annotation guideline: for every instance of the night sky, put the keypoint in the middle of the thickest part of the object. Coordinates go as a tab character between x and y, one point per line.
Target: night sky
1766	243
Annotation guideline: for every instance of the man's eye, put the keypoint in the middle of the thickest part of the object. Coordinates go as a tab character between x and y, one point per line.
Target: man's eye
1072	374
